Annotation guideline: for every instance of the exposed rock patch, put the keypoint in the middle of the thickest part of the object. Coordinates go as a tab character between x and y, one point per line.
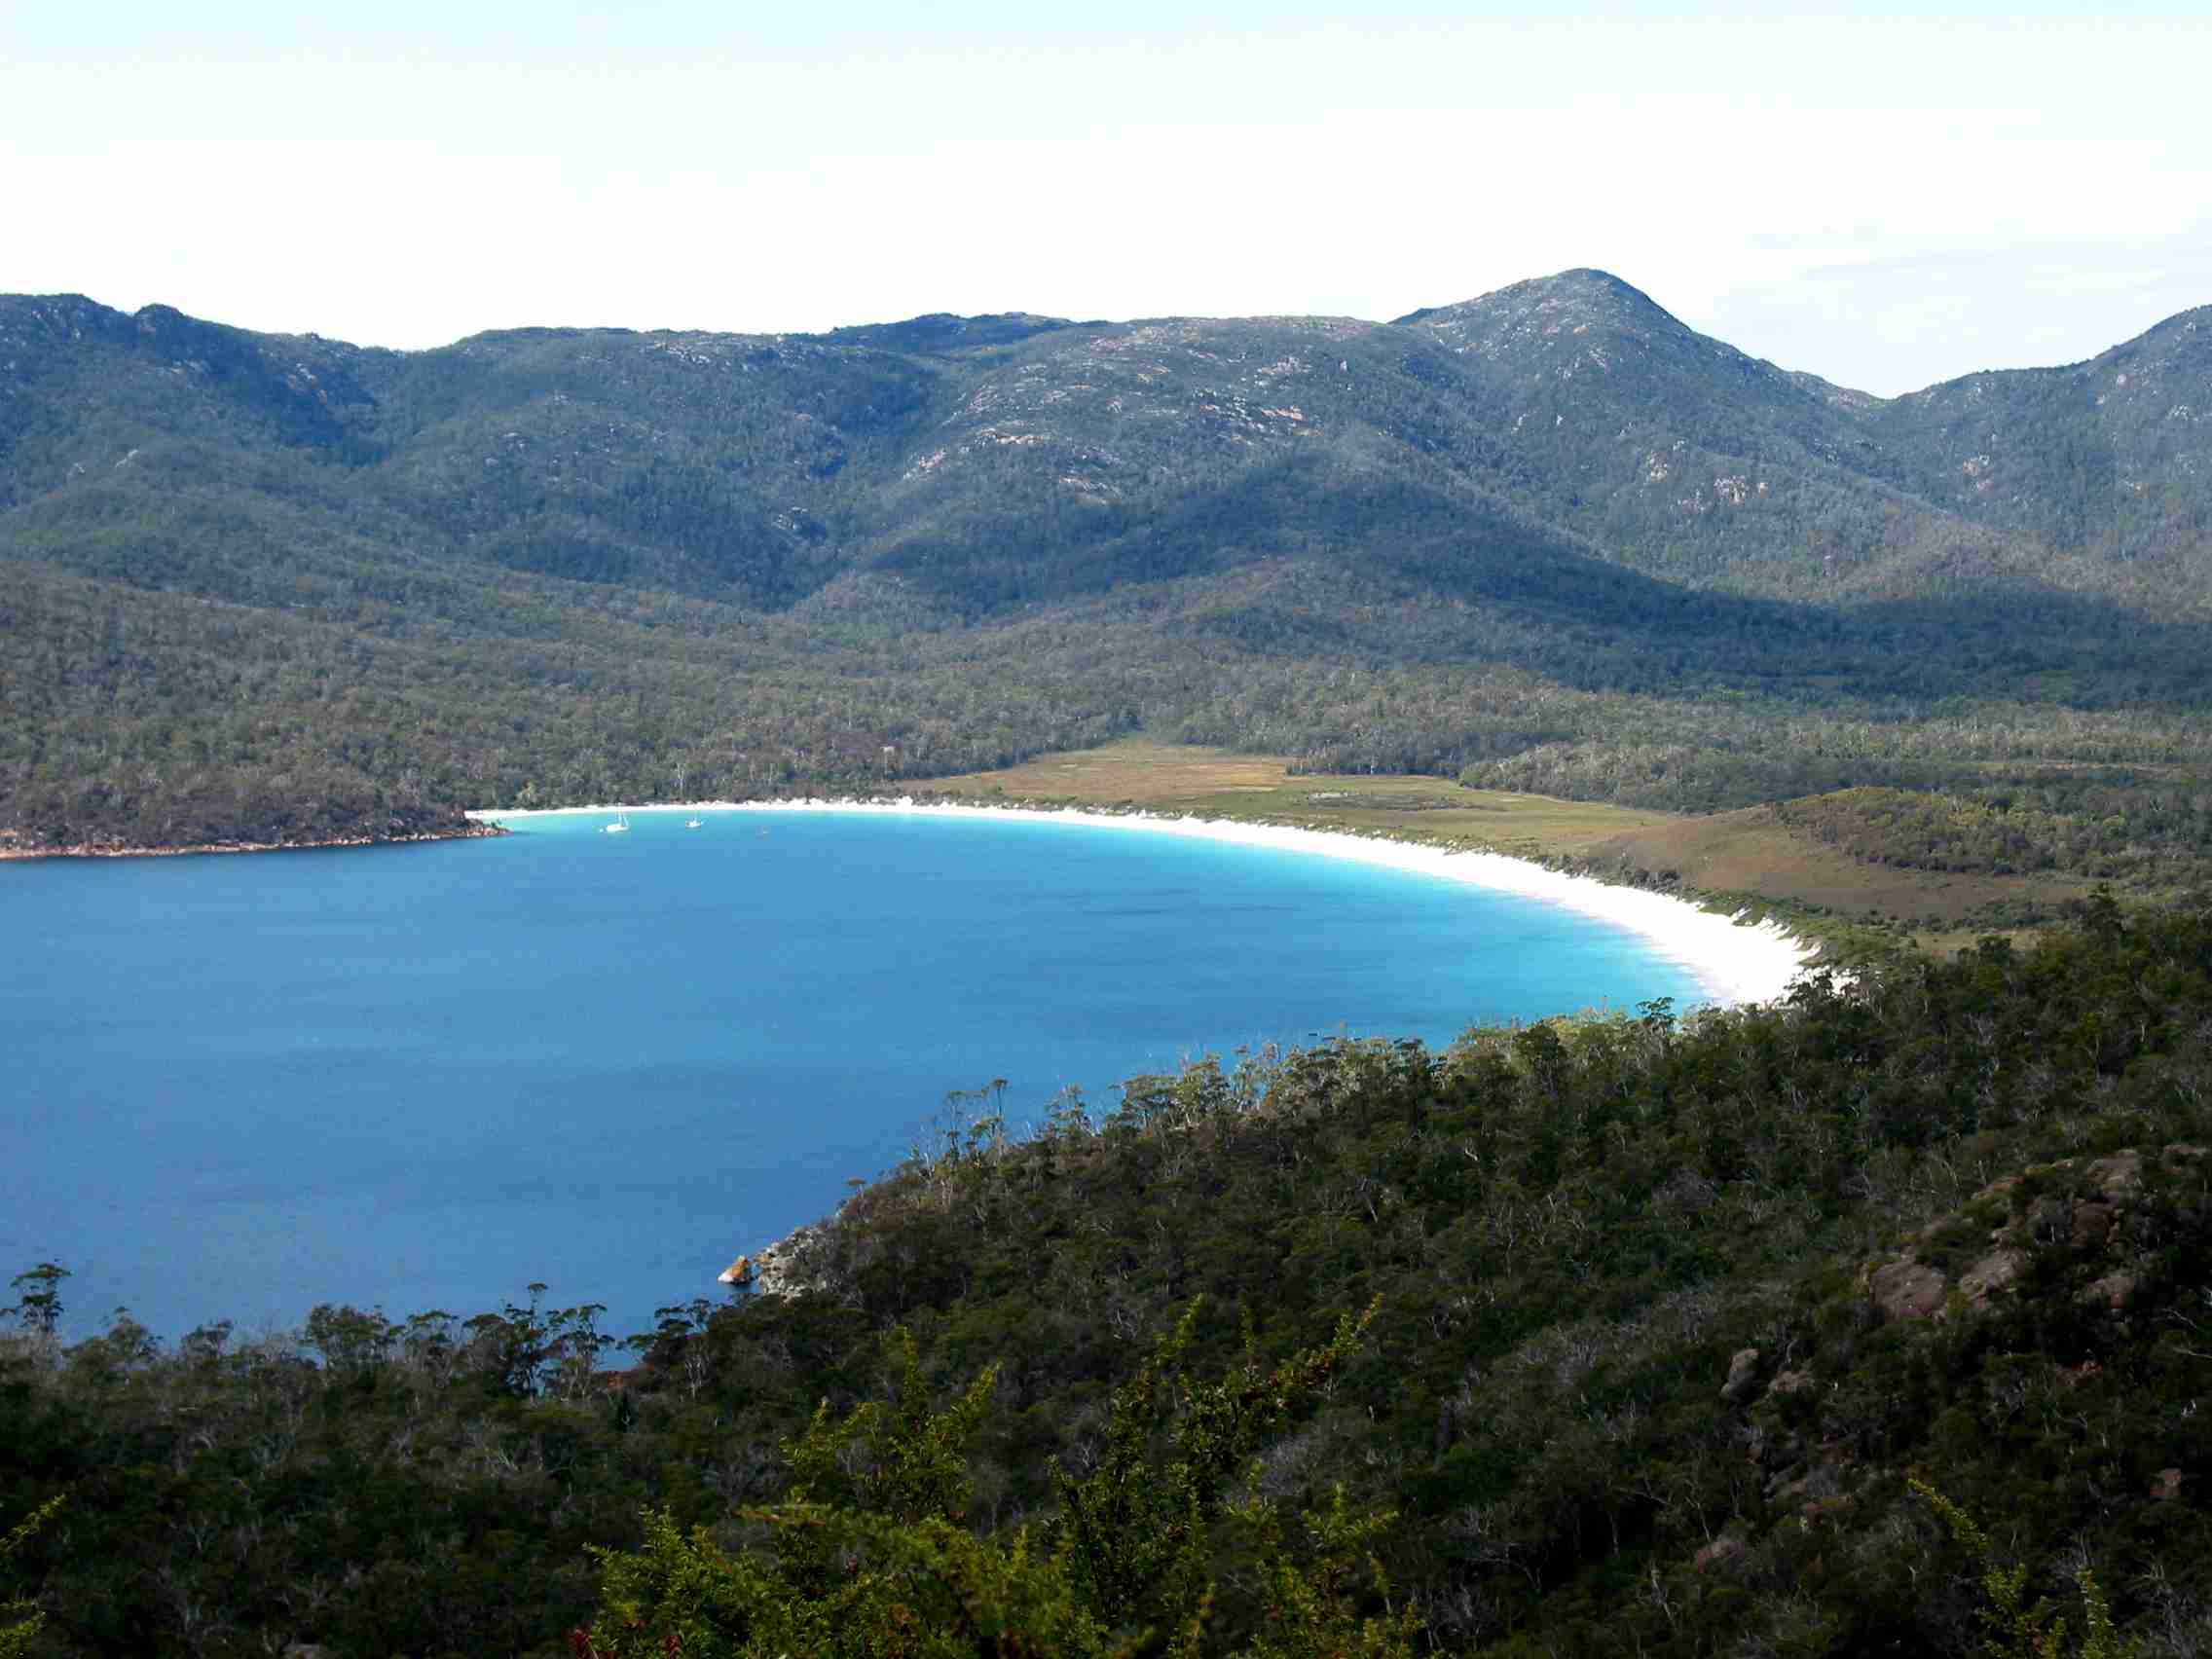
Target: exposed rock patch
2080	1208
1743	1375
1720	1553
1995	1272
1906	1289
2114	1291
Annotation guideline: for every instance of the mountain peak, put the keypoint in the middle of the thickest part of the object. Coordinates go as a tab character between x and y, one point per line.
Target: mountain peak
1584	347
941	332
2183	340
56	317
1566	302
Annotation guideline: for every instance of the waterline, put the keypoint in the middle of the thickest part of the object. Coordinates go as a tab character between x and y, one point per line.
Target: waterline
1733	961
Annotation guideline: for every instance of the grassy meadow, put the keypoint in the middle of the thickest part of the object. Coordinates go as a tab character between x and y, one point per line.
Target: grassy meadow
1854	904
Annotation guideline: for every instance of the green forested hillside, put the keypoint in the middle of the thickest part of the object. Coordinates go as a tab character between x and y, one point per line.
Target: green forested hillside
1655	1327
1550	534
2106	458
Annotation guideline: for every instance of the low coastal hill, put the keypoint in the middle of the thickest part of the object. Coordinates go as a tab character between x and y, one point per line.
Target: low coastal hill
270	589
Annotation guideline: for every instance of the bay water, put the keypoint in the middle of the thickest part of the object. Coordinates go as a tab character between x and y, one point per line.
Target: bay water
425	1077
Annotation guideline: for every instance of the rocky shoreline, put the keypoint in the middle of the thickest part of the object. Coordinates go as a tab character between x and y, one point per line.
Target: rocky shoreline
780	1268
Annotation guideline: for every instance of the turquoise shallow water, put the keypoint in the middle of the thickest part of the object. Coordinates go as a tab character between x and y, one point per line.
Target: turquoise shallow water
425	1076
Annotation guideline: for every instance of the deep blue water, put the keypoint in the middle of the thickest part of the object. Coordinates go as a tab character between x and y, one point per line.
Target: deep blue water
424	1077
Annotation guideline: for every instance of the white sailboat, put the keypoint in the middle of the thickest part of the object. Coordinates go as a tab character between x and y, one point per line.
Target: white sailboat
620	826
695	824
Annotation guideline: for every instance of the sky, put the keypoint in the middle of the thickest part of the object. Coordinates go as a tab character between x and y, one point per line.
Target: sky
1885	200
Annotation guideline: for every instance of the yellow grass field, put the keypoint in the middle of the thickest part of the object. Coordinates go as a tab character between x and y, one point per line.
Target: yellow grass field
1166	777
1747	851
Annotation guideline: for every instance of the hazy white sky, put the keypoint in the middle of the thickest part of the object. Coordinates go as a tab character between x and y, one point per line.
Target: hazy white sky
1888	201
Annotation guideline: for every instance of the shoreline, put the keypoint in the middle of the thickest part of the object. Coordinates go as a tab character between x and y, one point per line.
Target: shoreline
480	826
1734	963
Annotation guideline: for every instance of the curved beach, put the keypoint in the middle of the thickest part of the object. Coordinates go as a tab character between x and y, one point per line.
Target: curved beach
1731	961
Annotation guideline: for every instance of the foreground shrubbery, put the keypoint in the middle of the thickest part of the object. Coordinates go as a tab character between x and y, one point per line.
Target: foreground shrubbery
870	1553
1669	1317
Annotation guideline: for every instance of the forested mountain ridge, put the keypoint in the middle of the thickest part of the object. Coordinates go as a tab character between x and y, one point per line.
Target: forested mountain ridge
1550	528
516	443
2108	457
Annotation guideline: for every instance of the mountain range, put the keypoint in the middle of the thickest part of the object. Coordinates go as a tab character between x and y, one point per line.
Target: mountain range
276	587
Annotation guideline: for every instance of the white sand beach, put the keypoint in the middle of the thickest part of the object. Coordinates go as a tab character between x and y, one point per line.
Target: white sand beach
1733	962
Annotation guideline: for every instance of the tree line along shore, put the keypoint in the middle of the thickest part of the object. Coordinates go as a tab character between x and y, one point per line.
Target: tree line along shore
1863	897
